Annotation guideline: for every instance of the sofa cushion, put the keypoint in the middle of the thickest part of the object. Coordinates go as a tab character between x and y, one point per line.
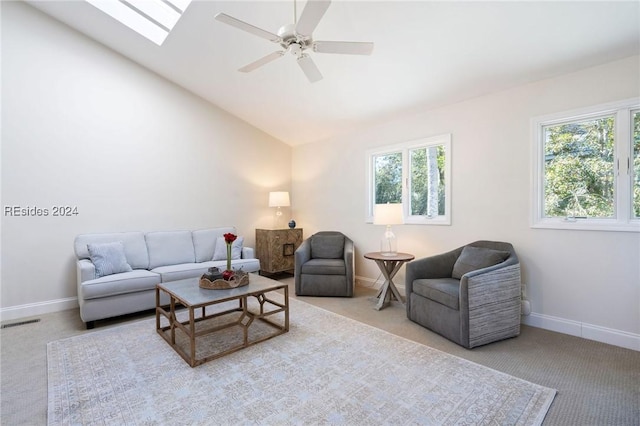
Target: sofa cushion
126	282
473	258
324	267
445	291
108	258
135	248
181	271
327	246
220	252
204	241
169	248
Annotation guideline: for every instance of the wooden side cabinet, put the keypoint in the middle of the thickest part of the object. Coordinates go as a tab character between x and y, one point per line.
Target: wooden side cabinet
275	249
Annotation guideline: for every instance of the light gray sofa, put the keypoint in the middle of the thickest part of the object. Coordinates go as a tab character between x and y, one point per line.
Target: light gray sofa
137	261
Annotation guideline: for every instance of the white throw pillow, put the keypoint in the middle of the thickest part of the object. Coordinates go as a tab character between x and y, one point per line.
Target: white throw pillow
220	252
108	258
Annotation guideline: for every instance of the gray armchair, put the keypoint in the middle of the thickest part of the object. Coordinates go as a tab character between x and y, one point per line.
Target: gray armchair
470	295
324	265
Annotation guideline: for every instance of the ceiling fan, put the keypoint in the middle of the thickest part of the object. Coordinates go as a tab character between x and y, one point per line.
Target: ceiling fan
296	38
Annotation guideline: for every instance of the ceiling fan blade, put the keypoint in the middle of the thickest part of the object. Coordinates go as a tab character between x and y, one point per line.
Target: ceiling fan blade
223	17
346	47
311	15
262	61
310	69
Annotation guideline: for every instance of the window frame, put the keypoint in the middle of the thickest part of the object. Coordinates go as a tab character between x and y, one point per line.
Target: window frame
623	219
404	148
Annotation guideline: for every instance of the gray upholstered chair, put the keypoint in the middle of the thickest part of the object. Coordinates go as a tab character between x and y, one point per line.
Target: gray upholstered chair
470	295
324	265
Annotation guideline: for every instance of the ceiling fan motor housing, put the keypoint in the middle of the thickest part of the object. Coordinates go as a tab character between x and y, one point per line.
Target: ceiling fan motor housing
293	42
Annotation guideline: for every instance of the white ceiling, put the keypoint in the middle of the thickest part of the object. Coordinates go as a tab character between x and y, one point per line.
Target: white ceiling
426	54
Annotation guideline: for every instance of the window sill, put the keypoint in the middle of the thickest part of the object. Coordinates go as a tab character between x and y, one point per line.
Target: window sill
587	225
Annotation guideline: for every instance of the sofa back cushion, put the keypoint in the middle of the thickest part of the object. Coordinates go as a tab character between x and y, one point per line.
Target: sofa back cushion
221	249
135	248
327	245
204	241
170	248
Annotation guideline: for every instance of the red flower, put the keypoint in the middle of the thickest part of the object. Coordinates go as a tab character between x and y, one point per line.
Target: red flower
229	238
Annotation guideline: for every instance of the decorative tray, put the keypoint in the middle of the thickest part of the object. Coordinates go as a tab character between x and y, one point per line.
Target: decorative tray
238	280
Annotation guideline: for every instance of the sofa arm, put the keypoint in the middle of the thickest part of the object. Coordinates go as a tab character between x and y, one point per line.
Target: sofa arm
86	270
248	253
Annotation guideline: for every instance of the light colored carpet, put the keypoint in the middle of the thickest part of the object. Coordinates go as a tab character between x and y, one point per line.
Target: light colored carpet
327	369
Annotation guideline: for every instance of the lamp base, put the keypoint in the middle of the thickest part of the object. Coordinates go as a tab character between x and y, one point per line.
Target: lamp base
388	243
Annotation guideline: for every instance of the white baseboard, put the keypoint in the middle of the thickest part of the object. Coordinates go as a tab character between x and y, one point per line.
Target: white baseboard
587	331
574	328
40	308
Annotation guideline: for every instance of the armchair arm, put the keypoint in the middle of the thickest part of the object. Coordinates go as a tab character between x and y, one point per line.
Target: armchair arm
302	255
438	266
349	263
490	301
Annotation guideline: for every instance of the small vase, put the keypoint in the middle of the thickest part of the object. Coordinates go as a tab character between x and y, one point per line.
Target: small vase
292	224
227	275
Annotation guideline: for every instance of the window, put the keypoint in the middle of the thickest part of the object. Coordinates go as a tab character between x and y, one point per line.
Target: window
635	178
416	174
587	167
153	19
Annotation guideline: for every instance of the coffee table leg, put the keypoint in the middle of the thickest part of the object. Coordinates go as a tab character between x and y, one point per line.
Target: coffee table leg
286	308
157	309
245	315
172	319
192	336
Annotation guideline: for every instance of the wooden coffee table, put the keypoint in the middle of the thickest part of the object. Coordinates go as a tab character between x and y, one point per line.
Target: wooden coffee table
188	294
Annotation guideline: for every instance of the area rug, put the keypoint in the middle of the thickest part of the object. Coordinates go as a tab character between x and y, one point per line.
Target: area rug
328	369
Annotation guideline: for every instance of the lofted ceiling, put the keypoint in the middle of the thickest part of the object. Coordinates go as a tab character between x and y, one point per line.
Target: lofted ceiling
426	54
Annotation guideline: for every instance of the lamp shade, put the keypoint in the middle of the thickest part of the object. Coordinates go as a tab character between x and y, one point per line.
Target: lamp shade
388	214
279	199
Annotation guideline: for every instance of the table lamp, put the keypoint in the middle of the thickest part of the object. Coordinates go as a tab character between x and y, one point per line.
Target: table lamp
388	214
279	199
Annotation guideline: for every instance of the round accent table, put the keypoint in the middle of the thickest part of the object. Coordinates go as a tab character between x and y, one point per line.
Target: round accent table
389	266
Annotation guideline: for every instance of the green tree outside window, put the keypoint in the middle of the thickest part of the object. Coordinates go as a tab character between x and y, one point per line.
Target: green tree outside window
579	169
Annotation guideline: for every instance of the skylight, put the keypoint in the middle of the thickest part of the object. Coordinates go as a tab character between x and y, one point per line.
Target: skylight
153	19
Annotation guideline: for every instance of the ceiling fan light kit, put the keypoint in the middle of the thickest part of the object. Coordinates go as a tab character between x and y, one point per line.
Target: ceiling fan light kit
296	38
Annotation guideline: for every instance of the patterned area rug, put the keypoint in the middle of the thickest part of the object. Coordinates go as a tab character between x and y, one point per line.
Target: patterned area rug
327	370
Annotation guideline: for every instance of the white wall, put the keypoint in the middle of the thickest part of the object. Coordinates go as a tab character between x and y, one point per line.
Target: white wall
83	126
579	282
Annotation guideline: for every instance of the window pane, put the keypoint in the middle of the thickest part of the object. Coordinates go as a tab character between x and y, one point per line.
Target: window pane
578	170
636	164
388	178
427	181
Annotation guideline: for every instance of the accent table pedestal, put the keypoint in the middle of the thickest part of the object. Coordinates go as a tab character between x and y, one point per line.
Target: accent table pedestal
389	266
